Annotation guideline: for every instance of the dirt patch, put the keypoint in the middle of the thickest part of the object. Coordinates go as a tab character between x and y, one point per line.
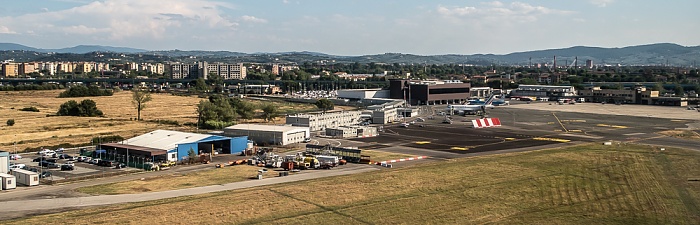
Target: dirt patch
684	134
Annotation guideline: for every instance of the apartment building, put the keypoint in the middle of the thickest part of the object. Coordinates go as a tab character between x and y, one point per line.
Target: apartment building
321	121
203	69
10	69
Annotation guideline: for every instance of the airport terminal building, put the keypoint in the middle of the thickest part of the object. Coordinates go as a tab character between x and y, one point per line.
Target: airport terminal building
322	121
419	92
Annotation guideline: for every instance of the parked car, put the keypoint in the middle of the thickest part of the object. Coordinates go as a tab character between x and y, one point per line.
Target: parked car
17	166
120	165
33	169
39	159
53	165
69	163
15	157
66	167
81	158
45	174
51	160
106	163
44	152
94	161
65	156
44	164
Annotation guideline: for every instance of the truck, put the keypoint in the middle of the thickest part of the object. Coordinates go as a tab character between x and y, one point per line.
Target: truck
327	162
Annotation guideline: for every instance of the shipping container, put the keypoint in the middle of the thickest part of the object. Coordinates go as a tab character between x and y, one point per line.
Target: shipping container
8	181
25	177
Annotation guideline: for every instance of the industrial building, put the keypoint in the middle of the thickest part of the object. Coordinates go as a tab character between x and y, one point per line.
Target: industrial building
352	132
269	134
480	92
543	91
384	113
419	92
321	121
167	145
638	95
4	162
360	94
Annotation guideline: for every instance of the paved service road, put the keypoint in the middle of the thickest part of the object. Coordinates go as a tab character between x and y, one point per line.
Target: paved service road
59	203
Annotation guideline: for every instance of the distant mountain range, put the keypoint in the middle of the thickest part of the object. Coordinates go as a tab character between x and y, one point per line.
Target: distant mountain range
80	49
652	54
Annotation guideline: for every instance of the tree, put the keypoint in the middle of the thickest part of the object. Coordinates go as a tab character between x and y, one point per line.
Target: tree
658	87
200	85
269	112
244	109
86	107
139	98
324	104
191	155
679	90
10	122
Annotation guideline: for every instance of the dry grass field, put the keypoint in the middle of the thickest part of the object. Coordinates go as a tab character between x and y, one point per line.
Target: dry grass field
684	134
224	175
35	129
587	184
378	156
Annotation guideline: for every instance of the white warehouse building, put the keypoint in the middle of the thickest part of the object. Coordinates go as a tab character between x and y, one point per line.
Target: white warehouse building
321	121
269	134
359	94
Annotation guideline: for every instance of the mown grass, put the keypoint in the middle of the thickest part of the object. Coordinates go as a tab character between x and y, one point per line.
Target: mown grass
224	175
588	184
378	156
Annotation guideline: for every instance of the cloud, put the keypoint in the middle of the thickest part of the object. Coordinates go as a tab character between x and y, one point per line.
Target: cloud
601	3
514	12
5	30
253	19
127	19
285	1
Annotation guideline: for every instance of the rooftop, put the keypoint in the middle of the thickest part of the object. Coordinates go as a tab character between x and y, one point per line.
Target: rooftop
264	127
166	139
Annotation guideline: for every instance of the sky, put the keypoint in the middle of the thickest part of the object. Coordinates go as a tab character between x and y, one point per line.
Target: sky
350	27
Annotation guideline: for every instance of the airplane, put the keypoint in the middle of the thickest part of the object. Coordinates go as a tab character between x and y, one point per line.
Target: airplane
473	107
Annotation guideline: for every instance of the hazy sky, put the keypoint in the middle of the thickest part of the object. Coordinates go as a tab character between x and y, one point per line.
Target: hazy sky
350	27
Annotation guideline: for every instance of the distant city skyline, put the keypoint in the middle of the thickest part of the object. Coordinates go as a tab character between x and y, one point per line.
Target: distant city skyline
357	27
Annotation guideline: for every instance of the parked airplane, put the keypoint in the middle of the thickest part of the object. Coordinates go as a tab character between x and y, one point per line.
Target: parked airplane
473	107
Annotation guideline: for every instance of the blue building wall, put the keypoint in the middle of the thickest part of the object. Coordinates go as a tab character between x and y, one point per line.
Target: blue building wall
238	144
182	150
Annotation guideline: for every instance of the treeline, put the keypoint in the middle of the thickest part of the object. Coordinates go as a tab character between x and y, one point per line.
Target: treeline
220	111
87	108
83	91
31	87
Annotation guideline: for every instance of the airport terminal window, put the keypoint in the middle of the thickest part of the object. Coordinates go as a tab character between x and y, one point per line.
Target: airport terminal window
448	90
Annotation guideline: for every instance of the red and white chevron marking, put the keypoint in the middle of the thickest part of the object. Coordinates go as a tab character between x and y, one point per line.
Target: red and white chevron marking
486	122
401	160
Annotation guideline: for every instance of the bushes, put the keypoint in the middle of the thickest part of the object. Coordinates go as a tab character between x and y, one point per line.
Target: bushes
29	109
29	87
83	91
10	122
86	108
106	139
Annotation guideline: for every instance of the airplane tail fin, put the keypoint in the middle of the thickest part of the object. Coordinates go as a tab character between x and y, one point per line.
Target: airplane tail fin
490	100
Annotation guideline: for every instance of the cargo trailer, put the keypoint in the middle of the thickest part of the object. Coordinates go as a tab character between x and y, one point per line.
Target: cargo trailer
26	177
8	181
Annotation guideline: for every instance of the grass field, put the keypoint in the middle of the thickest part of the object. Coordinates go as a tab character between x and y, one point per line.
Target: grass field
588	184
35	129
224	175
684	134
378	156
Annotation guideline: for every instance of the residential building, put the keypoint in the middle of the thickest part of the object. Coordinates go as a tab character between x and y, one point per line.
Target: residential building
10	69
203	69
27	68
321	121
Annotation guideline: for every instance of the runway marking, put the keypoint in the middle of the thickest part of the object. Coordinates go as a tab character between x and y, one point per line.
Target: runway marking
574	121
575	131
612	126
510	139
459	148
551	139
562	125
550	122
632	134
677	120
422	142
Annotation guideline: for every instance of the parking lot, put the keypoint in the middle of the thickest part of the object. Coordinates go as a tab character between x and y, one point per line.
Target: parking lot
81	169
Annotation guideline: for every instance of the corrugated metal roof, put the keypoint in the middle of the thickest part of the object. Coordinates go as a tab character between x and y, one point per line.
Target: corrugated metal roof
262	127
167	139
